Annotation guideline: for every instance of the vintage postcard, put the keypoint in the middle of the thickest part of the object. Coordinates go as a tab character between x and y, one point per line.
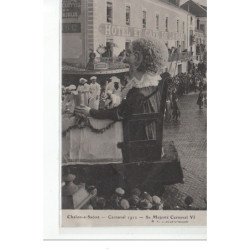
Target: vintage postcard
133	113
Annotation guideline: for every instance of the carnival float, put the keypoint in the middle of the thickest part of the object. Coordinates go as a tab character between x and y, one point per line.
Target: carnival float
91	157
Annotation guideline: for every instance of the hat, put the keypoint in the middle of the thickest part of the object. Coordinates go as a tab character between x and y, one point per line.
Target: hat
83	80
93	78
120	191
156	200
124	204
71	87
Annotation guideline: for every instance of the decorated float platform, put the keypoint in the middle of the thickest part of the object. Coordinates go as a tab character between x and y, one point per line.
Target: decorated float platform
67	69
103	70
145	175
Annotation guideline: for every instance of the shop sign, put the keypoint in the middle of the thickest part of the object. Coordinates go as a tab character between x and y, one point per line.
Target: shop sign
124	31
71	8
71	28
101	65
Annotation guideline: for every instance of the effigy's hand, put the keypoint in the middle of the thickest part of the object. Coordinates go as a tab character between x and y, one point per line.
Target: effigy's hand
83	111
86	110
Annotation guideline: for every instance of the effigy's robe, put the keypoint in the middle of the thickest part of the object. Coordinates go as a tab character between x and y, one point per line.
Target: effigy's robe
86	146
82	145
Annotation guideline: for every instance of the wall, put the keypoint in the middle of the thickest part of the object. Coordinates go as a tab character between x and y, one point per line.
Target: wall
129	33
191	30
73	26
95	31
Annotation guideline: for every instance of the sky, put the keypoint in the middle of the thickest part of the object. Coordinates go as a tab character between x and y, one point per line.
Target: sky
203	2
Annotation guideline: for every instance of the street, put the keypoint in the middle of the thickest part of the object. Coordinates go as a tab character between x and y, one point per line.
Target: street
190	138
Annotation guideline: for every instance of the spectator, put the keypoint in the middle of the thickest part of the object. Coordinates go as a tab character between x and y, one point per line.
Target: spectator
200	99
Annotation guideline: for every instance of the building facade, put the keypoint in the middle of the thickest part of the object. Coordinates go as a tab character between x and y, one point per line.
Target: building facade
199	30
90	24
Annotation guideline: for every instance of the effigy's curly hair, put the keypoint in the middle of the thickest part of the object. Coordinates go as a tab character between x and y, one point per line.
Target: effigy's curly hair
155	54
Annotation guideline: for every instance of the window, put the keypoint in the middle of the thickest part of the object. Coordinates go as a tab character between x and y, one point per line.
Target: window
177	26
127	45
183	27
183	45
198	24
191	20
109	12
157	21
144	19
166	24
109	47
127	15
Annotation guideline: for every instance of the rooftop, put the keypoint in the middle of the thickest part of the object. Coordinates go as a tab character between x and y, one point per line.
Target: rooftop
174	2
195	8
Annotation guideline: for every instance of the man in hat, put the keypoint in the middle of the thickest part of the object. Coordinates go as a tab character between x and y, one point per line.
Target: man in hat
111	84
83	91
95	90
83	86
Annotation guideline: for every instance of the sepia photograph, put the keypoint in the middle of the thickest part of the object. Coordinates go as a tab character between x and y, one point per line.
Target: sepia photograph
134	108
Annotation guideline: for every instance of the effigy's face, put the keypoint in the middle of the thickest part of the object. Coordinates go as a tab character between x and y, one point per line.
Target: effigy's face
130	57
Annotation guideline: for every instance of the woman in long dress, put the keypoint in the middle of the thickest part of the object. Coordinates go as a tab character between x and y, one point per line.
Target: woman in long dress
83	91
95	91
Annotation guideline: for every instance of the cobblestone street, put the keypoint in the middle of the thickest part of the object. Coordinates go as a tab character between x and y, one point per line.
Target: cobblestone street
190	138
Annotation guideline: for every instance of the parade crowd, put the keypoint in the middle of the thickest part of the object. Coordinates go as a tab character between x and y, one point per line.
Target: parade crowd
93	94
110	94
184	83
121	199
